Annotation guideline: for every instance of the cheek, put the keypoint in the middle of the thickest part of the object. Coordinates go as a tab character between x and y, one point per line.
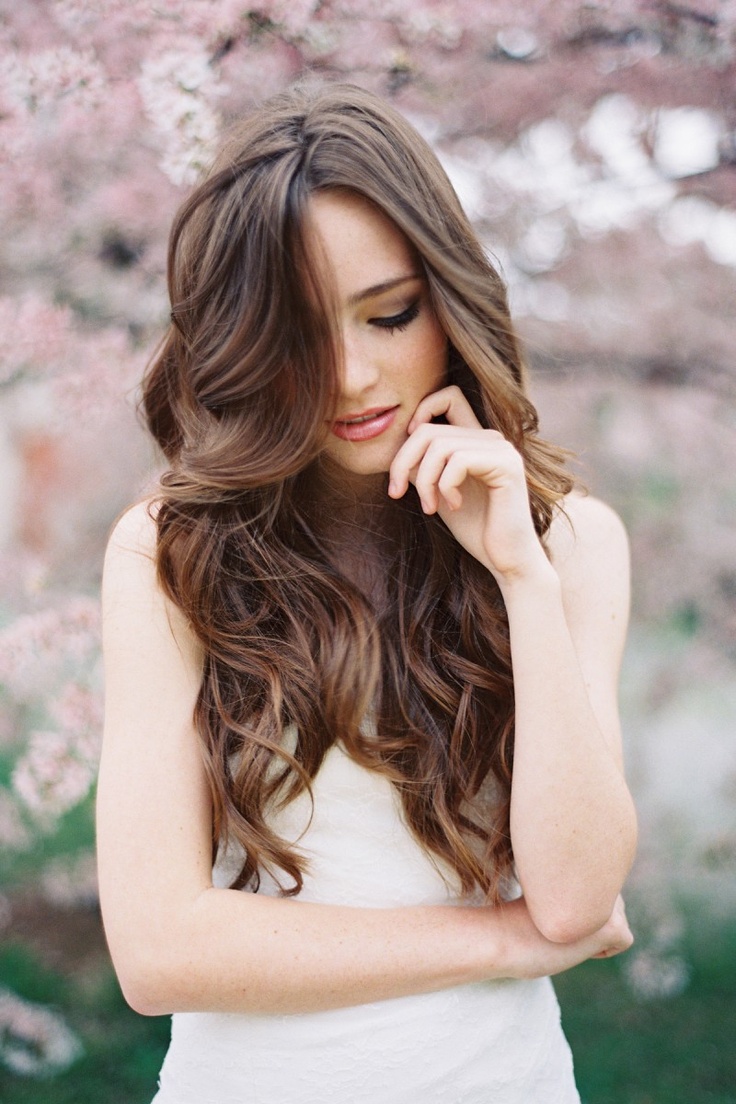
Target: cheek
436	356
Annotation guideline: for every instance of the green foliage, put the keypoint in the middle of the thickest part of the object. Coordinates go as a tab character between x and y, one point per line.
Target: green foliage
677	1050
122	1051
73	833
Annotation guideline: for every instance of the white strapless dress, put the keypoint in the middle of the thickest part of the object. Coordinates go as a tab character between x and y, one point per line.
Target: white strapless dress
495	1042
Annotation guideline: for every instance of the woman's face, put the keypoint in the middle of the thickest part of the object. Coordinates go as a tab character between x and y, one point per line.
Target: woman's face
394	351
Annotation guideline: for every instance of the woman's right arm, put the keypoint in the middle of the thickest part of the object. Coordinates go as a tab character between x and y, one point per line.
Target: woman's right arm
178	943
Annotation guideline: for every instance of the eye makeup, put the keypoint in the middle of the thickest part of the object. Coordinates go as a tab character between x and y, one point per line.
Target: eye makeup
397	321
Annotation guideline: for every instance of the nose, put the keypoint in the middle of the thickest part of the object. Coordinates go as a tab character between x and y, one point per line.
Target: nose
360	368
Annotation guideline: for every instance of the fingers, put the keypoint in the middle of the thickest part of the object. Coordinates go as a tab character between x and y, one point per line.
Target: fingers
438	460
446	473
619	947
449	403
616	933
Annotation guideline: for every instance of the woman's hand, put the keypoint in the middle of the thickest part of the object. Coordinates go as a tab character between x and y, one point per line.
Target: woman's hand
616	933
528	954
474	479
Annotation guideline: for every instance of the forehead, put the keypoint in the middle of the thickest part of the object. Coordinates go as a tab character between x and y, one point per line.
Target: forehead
359	245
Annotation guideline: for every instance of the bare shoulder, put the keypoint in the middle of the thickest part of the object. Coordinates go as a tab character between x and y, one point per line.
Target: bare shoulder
134	533
589	549
134	606
586	536
130	558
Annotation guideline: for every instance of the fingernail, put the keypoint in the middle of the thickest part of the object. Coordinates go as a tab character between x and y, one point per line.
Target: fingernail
392	488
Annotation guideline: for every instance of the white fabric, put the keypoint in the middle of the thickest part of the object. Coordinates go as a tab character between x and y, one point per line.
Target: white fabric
496	1042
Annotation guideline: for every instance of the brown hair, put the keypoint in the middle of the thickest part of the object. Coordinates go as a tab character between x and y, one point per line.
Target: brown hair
238	396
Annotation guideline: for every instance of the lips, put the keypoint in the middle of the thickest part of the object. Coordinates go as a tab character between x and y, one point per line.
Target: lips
366	424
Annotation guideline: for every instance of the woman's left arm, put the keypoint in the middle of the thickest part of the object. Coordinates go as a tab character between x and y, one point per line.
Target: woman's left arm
573	824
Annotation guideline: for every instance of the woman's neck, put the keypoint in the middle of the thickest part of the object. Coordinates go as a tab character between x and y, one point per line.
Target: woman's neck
353	516
342	498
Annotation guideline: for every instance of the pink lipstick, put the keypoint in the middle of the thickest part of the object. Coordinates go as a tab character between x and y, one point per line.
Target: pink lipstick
367	424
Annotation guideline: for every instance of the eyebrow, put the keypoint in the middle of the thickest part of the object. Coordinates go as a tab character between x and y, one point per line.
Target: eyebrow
378	289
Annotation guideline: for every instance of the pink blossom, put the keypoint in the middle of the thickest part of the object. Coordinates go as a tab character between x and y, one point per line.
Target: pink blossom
266	68
38	82
14	833
71	881
78	711
175	88
52	776
652	975
34	1041
105	372
294	16
33	335
37	647
439	28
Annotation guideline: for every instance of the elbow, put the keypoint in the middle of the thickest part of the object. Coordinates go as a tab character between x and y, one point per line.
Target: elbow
573	918
566	927
147	986
145	1001
156	959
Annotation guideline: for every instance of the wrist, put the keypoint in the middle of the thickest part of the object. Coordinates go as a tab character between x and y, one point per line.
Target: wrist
538	581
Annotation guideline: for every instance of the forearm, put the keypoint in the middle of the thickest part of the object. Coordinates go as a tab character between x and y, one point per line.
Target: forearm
230	951
572	819
239	952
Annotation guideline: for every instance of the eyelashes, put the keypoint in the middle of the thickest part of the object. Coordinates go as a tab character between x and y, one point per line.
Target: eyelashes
398	321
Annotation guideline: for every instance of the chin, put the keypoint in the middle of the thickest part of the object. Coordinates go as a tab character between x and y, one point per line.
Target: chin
366	470
364	465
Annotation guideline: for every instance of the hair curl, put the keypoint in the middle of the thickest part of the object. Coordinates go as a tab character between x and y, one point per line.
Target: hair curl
237	396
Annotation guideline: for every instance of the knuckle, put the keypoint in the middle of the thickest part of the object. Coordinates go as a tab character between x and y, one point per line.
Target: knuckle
422	433
435	448
422	482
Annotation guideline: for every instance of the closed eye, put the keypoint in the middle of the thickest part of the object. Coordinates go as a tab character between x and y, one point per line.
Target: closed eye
397	321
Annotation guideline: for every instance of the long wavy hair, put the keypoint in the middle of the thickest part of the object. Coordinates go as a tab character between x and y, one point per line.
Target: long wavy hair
238	396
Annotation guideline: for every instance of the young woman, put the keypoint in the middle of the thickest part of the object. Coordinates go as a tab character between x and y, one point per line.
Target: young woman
361	649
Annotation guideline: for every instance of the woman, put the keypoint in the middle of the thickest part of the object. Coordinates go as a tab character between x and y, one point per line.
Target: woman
362	647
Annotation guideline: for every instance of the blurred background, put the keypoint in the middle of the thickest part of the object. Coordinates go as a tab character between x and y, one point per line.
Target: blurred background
594	146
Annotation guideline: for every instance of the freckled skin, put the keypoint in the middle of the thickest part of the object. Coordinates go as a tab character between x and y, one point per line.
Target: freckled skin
384	366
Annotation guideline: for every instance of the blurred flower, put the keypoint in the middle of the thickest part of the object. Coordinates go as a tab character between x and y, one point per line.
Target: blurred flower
517	42
34	1041
441	27
105	371
37	647
175	87
34	81
14	834
293	15
58	767
33	334
52	776
78	711
655	968
653	976
543	245
71	881
686	140
691	219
